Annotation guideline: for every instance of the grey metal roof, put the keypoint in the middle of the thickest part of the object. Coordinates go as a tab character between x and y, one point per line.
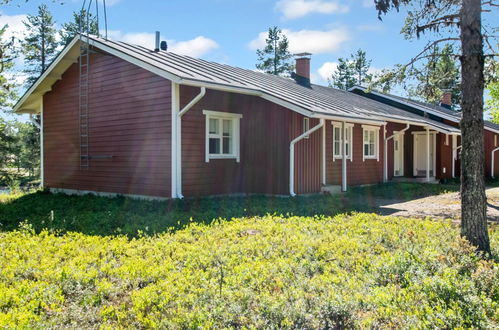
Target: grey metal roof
424	106
316	99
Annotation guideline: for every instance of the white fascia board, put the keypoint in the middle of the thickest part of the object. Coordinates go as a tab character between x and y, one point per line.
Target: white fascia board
349	119
45	75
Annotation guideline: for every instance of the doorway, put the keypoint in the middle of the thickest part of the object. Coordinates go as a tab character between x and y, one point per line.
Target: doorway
398	154
421	154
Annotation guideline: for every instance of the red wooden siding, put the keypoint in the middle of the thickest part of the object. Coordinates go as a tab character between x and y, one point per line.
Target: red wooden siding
359	172
489	147
129	119
308	157
266	131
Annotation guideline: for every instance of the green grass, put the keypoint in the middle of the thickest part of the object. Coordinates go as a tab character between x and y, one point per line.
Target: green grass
108	216
360	271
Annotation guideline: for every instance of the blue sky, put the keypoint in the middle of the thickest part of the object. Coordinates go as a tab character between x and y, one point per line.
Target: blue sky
229	31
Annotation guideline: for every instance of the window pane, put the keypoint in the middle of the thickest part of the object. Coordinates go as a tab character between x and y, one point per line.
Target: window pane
213	126
337	148
227	127
347	148
214	146
227	146
337	133
366	149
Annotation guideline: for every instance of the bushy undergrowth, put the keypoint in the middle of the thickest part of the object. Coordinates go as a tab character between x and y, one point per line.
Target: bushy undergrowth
110	216
360	270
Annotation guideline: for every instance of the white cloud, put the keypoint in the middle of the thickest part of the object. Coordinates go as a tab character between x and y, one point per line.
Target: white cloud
311	41
326	70
368	3
292	9
15	24
196	47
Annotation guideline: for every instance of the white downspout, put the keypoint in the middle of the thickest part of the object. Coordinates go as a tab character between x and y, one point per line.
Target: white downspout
492	168
454	147
324	179
385	165
174	126
454	155
178	147
343	159
427	154
40	127
292	156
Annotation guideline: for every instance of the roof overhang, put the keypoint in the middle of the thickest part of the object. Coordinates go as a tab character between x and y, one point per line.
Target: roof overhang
416	106
31	101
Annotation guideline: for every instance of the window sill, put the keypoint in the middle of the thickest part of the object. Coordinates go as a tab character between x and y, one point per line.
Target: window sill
215	157
341	158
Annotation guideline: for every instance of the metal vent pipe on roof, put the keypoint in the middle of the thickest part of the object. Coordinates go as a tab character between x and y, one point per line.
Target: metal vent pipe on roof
156	47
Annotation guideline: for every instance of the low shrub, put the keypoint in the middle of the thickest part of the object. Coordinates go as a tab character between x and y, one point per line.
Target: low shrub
357	270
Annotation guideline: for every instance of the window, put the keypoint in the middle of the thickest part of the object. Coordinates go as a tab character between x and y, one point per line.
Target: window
222	135
306	126
370	142
337	140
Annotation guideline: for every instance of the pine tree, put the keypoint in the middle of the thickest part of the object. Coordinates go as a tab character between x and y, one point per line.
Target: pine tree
275	57
343	76
351	72
459	21
7	86
39	45
439	73
80	20
361	66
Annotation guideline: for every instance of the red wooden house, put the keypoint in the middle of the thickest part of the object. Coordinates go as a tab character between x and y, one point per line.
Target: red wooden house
123	119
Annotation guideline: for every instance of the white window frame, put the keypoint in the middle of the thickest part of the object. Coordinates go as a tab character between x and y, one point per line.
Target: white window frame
375	129
235	119
306	126
348	128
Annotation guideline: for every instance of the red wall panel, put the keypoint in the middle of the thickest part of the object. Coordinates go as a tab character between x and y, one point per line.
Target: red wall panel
129	119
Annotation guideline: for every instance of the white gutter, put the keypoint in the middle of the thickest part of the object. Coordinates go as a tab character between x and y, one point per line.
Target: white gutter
492	167
385	165
375	122
292	156
178	146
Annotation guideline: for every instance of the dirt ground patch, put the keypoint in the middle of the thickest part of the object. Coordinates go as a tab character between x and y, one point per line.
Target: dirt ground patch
440	206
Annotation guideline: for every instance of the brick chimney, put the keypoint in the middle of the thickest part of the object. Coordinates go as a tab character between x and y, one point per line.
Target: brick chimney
446	100
302	67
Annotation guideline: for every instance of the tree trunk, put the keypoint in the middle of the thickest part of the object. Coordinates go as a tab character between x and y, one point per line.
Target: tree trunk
473	199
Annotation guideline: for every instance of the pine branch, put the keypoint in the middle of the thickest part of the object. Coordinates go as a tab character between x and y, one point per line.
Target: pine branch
427	48
490	3
446	20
